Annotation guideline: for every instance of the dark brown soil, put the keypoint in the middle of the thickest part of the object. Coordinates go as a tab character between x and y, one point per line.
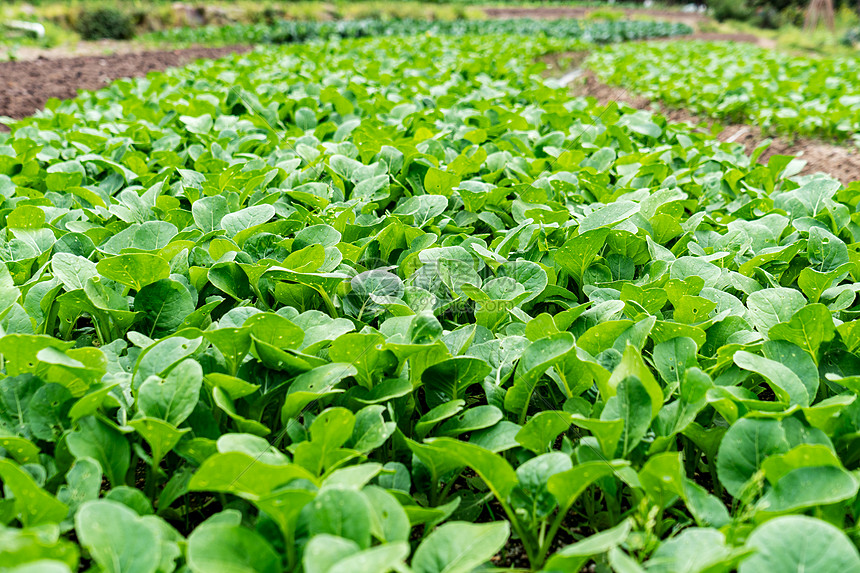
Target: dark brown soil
26	86
841	162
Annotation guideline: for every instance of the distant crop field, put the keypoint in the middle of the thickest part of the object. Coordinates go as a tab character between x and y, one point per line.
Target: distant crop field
285	32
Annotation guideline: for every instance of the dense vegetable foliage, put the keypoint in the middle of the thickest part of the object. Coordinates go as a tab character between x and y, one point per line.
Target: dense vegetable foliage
783	94
359	304
287	32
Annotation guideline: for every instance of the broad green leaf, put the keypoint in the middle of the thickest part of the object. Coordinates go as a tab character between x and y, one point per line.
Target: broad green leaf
284	506
800	456
370	430
365	353
530	275
22	450
793	358
569	485
608	216
784	545
492	468
104	443
117	538
473	419
209	211
439	182
313	385
327	554
333	427
329	431
436	415
662	478
607	432
83	483
342	512
135	270
230	547
770	306
536	359
785	383
677	416
826	252
147	236
389	516
531	496
42	566
72	270
163	305
246	218
326	282
159	357
229	278
438	461
743	449
809	328
633	365
707	509
274	330
448	380
20	351
632	405
255	446
808	487
33	505
458	547
540	432
244	424
161	436
243	475
574	556
173	397
323	551
692	551
673	357
232	343
576	255
814	283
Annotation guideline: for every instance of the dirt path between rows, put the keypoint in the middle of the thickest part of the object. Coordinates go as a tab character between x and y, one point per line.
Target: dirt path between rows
26	86
839	161
100	48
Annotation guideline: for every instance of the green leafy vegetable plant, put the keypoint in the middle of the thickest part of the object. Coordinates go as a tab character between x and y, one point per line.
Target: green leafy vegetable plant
405	304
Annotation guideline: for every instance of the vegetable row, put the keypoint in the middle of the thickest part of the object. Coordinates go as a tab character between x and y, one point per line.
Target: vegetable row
287	31
401	304
741	83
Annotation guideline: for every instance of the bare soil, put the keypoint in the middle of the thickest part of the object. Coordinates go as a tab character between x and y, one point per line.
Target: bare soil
25	86
839	161
100	48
